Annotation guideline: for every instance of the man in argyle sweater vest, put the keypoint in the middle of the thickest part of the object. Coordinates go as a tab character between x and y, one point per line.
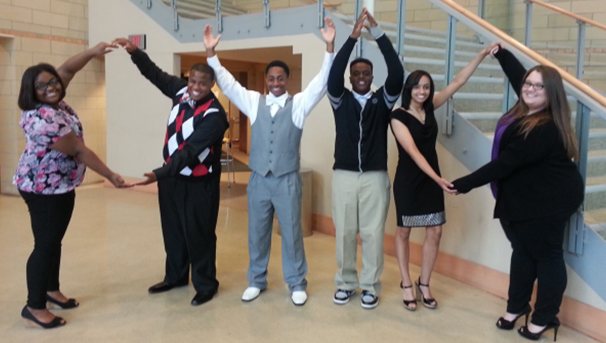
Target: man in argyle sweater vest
188	182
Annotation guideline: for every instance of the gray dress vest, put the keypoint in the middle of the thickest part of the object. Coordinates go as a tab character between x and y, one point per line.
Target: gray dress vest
275	141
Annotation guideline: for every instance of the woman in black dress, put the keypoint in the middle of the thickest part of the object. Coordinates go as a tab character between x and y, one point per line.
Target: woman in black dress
418	187
537	188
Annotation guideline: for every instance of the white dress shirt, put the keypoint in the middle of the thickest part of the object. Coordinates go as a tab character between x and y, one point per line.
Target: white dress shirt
248	101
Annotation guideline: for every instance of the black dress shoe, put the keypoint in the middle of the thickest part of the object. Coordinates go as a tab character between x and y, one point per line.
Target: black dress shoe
202	297
163	287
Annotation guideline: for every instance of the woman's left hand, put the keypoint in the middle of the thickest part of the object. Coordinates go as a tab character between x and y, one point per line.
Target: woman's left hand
103	48
492	49
446	186
118	181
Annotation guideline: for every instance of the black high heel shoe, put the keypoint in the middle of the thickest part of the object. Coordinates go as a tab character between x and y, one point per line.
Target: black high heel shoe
505	324
70	303
555	325
430	303
32	321
407	303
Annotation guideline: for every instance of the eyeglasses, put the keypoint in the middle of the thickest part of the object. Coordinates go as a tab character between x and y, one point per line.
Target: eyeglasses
42	86
536	86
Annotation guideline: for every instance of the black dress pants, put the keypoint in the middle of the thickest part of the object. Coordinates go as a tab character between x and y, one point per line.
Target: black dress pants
189	212
50	216
537	255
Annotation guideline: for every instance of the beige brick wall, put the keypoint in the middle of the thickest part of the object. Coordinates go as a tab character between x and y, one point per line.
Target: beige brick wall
34	31
551	29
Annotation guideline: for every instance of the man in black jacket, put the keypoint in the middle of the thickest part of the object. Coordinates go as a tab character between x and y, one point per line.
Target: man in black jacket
360	181
188	182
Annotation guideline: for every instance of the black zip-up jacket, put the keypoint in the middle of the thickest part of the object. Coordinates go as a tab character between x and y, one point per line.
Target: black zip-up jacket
208	130
361	142
535	177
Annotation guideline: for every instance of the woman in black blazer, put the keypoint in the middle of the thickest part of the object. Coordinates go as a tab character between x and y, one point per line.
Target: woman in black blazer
537	188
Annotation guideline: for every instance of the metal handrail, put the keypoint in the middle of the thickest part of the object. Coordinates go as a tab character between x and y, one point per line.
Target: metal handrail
504	37
569	14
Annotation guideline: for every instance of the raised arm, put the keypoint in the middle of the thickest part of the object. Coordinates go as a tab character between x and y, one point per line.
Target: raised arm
336	78
73	65
395	70
513	69
403	136
462	77
316	88
168	84
247	101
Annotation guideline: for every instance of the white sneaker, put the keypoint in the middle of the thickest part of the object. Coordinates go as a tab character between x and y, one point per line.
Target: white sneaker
299	298
250	294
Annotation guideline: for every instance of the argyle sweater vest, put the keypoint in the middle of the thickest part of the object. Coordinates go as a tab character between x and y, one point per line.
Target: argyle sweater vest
182	122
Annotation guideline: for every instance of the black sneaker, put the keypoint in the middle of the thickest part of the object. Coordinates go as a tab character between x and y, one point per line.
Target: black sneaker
369	300
342	296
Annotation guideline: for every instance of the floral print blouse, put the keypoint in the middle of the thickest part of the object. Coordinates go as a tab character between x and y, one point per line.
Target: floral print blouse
42	170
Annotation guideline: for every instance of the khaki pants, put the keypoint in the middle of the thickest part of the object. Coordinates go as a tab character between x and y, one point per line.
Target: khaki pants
359	205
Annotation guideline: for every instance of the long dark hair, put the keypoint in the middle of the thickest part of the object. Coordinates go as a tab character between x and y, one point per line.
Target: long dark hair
27	93
411	81
557	109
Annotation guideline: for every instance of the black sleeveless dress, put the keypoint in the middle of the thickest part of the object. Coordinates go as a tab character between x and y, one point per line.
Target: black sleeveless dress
419	199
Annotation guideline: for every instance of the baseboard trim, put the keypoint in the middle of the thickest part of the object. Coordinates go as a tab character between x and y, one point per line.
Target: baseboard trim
575	314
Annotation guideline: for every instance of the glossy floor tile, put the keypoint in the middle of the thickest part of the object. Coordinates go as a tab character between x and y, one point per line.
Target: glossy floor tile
113	252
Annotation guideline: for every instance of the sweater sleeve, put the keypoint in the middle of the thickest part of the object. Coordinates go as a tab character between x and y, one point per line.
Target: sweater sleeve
169	85
395	71
336	78
518	153
211	130
513	69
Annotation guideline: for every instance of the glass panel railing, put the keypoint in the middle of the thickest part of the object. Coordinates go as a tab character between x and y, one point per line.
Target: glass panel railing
232	8
203	9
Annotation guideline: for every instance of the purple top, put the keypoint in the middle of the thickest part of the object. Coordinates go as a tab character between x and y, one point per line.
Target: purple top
42	170
496	144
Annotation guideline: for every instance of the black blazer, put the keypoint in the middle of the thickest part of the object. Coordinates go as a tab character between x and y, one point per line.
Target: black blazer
535	178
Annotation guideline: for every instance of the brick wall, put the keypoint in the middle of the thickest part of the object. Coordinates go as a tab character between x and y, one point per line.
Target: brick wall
34	31
551	29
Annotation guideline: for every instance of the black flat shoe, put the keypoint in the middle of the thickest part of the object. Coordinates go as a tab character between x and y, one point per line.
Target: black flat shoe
555	325
203	297
32	321
70	303
163	287
505	324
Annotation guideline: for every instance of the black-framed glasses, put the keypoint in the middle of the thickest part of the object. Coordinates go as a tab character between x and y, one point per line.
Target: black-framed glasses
42	86
536	86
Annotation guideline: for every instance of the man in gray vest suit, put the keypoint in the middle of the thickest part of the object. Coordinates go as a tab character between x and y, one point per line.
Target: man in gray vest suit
275	185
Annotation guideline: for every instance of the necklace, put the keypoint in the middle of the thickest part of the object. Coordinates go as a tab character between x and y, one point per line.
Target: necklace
417	114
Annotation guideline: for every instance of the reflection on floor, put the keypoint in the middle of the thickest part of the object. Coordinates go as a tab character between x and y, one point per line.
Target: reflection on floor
113	251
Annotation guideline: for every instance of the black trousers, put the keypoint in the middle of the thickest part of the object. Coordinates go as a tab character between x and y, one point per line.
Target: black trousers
537	255
50	216
189	212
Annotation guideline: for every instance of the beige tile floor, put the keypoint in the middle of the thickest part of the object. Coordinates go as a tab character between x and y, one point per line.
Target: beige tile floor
113	251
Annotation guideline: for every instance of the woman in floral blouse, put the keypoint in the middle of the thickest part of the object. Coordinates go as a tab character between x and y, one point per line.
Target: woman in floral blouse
50	168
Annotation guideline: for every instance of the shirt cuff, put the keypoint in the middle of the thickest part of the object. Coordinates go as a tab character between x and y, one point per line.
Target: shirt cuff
213	62
161	173
376	31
